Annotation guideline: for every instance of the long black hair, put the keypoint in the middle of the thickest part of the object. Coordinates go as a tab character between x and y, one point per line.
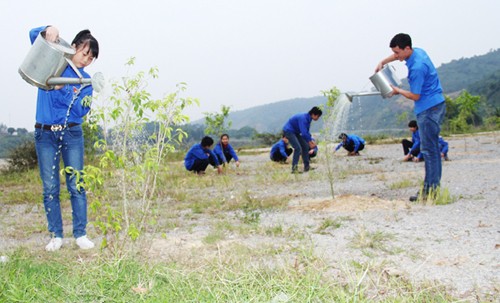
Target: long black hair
84	38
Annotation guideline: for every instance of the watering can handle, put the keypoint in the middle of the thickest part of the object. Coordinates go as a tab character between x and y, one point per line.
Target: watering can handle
74	68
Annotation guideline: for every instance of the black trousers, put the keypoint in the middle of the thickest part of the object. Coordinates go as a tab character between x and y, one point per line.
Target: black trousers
227	156
350	147
200	165
407	144
278	157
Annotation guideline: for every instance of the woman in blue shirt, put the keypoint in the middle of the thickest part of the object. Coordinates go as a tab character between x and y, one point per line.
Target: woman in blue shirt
58	132
225	152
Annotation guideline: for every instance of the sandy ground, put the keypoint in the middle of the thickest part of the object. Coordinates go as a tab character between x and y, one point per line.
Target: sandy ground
456	245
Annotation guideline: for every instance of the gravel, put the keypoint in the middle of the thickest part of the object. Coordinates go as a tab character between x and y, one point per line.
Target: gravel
456	245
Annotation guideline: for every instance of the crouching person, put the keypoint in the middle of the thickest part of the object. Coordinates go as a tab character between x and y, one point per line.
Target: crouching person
352	143
280	150
200	155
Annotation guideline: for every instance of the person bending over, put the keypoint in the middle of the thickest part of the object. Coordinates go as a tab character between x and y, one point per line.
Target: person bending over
200	155
296	130
411	149
352	143
225	152
280	151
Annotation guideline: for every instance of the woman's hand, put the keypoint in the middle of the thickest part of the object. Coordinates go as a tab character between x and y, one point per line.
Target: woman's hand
52	34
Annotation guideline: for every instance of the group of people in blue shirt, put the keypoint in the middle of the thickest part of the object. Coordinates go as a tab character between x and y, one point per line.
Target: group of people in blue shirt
60	111
411	149
201	155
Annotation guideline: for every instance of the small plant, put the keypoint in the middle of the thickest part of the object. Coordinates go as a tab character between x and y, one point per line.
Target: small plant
439	196
327	224
331	114
405	183
375	240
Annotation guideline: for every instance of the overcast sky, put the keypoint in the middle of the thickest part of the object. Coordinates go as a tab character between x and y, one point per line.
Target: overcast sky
244	53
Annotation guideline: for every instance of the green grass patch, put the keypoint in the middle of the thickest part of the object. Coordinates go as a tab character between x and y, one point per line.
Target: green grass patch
88	278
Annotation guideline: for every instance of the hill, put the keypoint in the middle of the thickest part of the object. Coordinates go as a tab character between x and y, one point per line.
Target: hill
480	75
466	72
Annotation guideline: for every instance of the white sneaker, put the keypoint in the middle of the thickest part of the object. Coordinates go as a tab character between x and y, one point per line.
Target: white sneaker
54	244
84	243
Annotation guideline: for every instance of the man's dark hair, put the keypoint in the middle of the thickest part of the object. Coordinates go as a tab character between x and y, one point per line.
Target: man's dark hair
316	111
342	136
207	141
412	123
400	40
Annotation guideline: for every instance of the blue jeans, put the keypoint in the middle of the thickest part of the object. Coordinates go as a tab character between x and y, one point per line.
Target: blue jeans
300	146
50	145
429	126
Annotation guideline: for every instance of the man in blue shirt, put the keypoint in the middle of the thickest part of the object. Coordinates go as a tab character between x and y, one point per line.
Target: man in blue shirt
443	147
427	94
280	150
296	130
200	155
352	143
411	149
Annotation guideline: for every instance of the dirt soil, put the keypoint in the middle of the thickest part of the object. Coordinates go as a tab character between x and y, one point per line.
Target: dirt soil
456	245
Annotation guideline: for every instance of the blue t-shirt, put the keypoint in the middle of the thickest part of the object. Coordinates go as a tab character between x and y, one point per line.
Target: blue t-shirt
52	105
198	152
281	146
220	150
424	81
299	124
351	139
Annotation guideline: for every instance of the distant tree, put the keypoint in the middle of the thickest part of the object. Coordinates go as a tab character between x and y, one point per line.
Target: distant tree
11	130
466	106
22	131
244	132
216	123
3	128
267	139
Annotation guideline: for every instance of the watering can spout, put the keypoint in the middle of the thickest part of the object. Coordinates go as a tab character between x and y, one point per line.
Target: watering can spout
349	97
97	81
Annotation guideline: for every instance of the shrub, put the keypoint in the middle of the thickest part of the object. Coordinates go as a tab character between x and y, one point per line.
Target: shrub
23	157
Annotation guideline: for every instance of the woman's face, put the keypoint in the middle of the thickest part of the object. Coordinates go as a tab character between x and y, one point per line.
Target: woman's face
225	140
83	56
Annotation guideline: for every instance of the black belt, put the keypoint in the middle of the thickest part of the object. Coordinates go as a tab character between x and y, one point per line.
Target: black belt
55	127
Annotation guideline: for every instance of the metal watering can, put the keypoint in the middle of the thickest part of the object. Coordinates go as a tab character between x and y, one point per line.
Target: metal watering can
382	80
46	61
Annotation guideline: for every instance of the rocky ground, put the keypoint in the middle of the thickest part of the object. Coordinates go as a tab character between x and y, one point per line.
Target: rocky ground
456	245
